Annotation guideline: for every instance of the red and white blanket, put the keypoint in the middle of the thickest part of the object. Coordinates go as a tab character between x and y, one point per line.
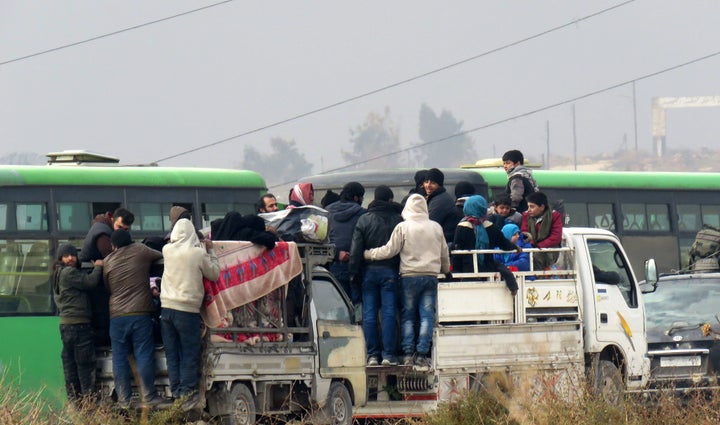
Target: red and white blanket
247	273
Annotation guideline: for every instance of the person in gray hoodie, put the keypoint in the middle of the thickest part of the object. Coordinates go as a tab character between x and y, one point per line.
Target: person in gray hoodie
187	261
423	255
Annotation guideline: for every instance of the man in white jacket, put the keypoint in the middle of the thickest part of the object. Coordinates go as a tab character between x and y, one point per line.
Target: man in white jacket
423	255
187	261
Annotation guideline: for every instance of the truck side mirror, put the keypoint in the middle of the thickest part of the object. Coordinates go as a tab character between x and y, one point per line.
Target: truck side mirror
358	313
651	272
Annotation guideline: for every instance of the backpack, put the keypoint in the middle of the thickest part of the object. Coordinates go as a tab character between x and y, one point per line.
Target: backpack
706	244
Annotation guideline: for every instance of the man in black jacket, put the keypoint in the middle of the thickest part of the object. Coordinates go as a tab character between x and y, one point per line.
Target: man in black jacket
441	204
379	278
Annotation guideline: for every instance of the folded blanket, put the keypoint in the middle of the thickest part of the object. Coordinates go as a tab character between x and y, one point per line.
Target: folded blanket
247	272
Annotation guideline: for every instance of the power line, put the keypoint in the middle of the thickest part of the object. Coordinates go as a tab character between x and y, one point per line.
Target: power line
110	34
399	83
522	115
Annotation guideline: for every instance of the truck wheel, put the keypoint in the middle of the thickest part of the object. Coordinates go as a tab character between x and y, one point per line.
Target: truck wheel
243	410
608	382
339	405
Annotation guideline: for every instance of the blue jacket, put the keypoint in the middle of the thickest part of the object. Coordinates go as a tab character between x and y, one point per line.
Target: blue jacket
519	260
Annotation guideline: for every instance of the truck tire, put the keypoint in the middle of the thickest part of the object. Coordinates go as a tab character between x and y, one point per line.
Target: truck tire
243	410
608	383
339	405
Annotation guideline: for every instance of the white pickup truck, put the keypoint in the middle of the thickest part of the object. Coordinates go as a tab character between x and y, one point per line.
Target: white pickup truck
564	326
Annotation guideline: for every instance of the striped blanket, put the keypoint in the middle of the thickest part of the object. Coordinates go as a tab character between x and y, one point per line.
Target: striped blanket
247	273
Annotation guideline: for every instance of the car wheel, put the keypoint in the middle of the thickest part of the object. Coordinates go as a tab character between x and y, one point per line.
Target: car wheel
608	381
339	405
243	407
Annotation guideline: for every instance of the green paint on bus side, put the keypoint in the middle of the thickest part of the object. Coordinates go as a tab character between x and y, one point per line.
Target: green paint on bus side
30	356
128	176
645	180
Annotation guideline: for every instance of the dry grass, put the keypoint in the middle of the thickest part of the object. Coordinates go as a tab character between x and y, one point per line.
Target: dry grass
491	407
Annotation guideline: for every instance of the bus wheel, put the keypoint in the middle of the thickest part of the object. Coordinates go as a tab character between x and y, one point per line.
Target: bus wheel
608	382
243	410
339	405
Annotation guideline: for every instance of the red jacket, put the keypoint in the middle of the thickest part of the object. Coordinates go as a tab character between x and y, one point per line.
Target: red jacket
554	238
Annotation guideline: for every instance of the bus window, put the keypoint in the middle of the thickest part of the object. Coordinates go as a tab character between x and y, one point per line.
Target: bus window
3	216
31	216
685	244
711	215
634	217
688	217
151	217
213	211
577	214
601	216
658	218
74	216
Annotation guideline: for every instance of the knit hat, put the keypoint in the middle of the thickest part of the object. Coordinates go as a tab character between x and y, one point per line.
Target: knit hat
475	206
176	212
329	198
120	238
435	175
464	188
383	193
66	249
420	176
509	230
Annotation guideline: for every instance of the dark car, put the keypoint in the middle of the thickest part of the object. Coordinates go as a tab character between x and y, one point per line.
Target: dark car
682	318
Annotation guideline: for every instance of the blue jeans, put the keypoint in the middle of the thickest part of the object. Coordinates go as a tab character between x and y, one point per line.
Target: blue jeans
341	271
181	336
419	295
133	334
379	293
78	358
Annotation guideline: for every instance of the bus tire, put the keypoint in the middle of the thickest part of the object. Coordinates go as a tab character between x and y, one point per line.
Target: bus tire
338	408
608	382
243	410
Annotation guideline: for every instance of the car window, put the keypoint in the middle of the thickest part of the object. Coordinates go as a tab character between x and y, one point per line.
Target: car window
329	303
609	266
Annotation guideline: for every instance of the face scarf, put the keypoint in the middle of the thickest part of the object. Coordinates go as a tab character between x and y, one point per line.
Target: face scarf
545	225
475	210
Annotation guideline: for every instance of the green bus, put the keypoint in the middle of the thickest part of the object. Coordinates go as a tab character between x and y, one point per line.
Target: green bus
44	206
655	214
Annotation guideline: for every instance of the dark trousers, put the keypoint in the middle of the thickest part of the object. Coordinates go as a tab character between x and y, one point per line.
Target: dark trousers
78	358
181	336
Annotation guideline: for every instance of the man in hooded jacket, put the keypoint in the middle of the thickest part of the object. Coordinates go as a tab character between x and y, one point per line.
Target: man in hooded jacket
423	255
187	261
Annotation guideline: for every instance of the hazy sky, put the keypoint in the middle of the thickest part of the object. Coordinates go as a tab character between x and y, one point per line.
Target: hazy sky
162	89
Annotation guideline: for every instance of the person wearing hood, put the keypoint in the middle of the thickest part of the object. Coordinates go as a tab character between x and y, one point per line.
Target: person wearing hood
520	261
379	279
441	204
423	255
300	195
475	232
344	214
521	182
187	261
71	288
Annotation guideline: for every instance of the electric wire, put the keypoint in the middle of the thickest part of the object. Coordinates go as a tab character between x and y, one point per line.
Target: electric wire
110	34
396	84
517	116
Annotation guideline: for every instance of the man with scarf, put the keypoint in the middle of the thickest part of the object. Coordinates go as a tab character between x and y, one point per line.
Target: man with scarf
544	227
521	182
300	195
475	232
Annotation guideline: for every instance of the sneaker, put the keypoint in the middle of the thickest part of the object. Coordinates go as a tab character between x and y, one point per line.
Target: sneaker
372	361
390	361
408	360
422	363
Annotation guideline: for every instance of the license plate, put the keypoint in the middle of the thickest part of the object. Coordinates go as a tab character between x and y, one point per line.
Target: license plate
680	361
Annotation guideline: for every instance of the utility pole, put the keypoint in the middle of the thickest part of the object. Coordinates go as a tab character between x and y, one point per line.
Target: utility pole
547	142
574	138
635	114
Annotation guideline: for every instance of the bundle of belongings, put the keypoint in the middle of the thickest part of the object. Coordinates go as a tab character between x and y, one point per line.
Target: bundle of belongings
705	249
299	224
255	270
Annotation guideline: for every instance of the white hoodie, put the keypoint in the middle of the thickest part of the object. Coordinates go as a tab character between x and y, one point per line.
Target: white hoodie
186	263
419	241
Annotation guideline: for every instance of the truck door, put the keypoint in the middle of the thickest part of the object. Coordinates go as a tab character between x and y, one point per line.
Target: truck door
619	313
341	343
